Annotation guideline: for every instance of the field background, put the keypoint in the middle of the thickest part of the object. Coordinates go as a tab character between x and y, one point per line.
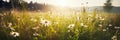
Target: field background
33	21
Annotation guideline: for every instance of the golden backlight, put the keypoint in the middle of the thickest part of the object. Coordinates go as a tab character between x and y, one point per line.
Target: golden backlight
61	3
75	3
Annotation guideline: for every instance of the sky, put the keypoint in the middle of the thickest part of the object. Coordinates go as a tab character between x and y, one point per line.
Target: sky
76	3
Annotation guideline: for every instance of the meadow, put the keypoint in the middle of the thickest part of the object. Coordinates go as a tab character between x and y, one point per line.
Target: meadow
17	25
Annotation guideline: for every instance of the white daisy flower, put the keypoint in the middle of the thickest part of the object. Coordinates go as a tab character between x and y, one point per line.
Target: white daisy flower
71	25
14	34
45	22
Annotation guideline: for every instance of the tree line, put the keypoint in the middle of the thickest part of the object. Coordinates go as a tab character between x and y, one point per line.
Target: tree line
20	5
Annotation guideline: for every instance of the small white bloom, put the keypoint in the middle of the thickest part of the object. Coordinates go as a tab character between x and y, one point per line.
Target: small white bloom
117	27
14	34
110	25
114	37
104	30
35	34
101	18
45	22
71	25
83	25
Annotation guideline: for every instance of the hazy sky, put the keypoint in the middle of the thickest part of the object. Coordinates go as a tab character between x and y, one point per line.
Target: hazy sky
76	3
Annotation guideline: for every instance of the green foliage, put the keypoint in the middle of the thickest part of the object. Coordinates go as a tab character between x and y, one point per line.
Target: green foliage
46	26
108	6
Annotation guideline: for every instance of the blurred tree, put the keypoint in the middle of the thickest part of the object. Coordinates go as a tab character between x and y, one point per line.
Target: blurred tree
13	2
19	4
1	3
108	5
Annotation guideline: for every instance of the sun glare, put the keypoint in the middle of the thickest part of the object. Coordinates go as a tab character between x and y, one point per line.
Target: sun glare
62	3
70	3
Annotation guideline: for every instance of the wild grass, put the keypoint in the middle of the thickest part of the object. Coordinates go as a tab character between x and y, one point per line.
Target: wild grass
50	26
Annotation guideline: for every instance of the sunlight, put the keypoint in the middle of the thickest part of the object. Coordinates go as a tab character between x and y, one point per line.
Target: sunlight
62	3
70	3
59	20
